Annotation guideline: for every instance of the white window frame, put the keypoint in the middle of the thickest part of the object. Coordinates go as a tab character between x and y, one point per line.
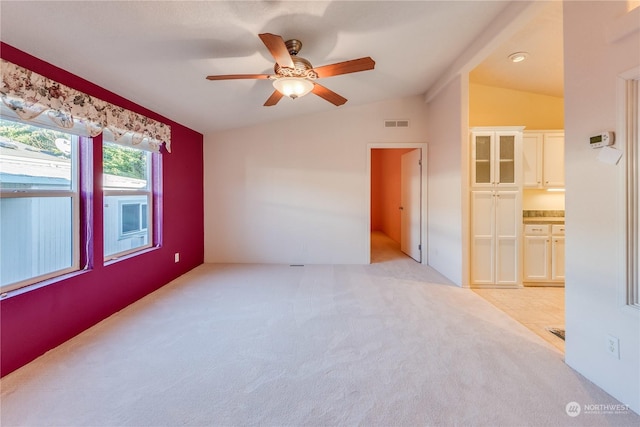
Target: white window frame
141	229
74	194
144	193
629	129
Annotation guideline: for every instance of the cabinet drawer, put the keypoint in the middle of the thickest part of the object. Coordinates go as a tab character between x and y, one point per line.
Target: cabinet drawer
557	230
536	229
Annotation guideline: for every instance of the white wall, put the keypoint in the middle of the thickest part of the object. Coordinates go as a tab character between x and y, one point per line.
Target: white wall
296	191
595	203
445	127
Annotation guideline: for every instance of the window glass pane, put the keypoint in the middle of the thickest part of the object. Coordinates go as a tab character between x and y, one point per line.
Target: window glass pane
145	218
123	229
125	168
36	237
130	218
39	229
34	158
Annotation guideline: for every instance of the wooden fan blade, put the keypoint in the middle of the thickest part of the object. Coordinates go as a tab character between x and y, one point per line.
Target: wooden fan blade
239	76
328	95
346	67
273	99
278	49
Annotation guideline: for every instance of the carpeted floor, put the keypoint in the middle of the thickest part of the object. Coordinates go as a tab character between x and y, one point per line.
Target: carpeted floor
386	344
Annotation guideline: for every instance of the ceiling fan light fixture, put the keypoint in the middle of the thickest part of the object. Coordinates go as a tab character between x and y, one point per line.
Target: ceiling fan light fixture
518	56
293	87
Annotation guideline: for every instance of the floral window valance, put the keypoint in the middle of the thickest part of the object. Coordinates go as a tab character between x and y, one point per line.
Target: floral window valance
32	97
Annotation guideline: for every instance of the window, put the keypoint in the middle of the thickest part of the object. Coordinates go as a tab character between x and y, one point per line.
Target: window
630	131
47	181
39	204
127	197
133	218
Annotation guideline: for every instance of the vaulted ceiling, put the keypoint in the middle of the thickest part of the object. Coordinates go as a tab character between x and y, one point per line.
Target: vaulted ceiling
158	53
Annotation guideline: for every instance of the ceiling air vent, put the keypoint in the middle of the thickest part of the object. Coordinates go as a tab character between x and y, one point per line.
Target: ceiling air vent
396	123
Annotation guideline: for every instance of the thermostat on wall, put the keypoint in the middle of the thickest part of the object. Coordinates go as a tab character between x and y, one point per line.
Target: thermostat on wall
602	140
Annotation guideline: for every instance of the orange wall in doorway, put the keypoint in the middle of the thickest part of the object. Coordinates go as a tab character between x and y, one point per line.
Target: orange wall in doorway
385	190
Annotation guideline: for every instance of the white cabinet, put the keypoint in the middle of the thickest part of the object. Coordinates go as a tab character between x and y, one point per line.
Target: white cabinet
557	253
496	205
496	220
532	160
496	155
543	253
537	253
543	159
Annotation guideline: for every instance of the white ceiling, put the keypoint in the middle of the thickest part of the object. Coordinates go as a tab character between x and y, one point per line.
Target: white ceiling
543	70
158	54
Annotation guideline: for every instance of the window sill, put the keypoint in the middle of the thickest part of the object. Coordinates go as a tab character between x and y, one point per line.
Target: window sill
117	258
44	283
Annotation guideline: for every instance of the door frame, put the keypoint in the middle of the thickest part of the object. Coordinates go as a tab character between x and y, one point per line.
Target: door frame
423	195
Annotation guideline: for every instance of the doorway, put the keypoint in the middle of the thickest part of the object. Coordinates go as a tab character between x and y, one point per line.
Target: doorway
397	195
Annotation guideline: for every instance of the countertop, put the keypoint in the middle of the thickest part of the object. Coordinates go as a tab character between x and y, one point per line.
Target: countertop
543	220
546	216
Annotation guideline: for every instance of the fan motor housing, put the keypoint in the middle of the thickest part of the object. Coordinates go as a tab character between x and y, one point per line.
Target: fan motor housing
293	46
301	66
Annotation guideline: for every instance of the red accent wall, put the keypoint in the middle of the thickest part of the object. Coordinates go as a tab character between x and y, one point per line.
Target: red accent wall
377	198
37	320
385	190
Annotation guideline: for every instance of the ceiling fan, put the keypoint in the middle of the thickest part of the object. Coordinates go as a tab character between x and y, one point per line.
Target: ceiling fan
295	76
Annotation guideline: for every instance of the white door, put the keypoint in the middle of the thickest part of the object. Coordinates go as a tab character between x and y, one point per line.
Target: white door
410	202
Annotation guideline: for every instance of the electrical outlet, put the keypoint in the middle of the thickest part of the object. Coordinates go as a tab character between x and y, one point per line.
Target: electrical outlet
613	346
176	257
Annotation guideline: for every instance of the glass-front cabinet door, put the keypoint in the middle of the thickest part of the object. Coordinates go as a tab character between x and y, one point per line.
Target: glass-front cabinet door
506	150
494	158
482	164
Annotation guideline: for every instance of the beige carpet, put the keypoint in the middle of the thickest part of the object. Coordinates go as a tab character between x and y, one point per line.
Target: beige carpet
387	344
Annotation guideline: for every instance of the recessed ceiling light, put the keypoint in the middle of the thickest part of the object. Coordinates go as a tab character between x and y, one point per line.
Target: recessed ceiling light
518	56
